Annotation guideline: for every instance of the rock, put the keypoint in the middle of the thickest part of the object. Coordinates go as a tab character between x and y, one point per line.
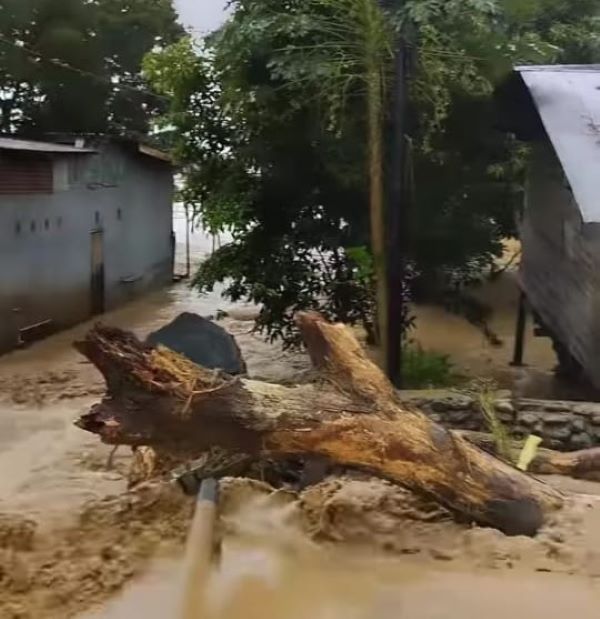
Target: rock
504	407
587	409
579	424
530	405
558	419
457	417
555	406
202	341
559	433
452	403
529	419
581	440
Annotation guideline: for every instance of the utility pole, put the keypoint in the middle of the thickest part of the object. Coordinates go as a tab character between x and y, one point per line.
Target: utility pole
397	219
188	225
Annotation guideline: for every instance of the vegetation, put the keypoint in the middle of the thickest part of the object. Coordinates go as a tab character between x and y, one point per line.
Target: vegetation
425	369
275	122
75	65
485	393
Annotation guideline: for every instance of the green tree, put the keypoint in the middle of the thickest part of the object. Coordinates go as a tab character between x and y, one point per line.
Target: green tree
74	65
270	125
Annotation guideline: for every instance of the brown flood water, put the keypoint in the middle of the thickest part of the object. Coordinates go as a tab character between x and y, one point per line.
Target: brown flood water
342	587
269	570
49	469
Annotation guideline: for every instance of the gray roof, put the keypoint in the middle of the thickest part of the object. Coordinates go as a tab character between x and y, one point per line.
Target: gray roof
41	147
568	100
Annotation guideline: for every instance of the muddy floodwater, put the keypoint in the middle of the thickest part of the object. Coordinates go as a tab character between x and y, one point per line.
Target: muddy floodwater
364	589
269	570
66	545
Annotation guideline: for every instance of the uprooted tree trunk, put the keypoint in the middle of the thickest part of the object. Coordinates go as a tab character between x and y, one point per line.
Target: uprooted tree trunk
353	418
583	464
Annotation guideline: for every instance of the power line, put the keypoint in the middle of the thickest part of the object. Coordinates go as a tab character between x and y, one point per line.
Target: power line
32	53
65	65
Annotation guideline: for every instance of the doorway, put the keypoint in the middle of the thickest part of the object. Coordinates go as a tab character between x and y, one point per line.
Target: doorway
97	283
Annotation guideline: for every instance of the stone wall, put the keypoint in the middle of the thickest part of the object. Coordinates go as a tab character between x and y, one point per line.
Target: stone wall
565	426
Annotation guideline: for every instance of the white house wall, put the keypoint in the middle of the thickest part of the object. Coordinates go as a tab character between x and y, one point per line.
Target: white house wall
45	240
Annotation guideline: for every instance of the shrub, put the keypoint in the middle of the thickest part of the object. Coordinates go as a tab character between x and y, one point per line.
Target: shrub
426	369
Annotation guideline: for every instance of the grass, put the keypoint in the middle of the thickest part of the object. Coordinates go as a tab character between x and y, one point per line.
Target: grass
485	392
426	370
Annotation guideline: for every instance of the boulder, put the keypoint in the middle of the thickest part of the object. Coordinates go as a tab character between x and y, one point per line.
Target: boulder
201	341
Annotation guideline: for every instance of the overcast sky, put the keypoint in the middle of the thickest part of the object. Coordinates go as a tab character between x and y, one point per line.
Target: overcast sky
202	15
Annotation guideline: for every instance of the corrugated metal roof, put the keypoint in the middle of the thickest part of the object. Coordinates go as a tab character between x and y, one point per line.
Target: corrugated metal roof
568	100
41	147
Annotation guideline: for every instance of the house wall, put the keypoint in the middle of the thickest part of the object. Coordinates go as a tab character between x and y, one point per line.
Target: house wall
45	240
560	267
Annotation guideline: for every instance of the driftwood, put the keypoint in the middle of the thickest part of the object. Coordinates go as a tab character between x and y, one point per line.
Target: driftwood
353	418
584	464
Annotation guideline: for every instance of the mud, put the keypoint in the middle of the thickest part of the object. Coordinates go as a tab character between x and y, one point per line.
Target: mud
60	572
377	514
367	523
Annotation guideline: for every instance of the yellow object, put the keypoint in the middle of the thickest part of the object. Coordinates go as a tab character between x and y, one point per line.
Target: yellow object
529	452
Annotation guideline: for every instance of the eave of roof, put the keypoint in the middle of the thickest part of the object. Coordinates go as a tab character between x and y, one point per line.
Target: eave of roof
155	153
13	144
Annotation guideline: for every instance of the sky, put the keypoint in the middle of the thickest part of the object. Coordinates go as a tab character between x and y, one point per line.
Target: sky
201	15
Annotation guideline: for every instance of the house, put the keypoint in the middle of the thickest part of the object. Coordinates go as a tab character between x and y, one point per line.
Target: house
85	226
557	110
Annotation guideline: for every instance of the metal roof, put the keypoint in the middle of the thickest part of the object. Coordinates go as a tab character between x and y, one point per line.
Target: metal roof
41	147
567	98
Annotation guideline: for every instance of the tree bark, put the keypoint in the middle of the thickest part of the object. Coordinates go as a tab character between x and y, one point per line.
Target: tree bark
583	464
353	418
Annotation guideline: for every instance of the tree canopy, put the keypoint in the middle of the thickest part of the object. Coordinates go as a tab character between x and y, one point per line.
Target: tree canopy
74	65
270	114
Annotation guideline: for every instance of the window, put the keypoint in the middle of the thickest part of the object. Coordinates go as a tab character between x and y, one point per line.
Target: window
119	214
23	173
97	218
18	228
46	224
32	225
105	170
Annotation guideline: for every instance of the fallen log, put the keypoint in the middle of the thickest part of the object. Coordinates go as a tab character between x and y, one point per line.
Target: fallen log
353	418
583	464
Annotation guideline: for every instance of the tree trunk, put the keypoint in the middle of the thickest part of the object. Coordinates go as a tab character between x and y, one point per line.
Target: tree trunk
583	464
353	418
